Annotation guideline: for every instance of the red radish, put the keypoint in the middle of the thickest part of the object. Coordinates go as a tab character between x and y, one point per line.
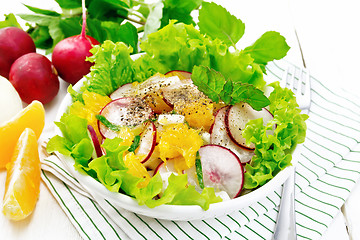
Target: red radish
70	53
14	43
236	118
181	74
147	141
124	112
221	169
219	136
125	90
34	78
95	141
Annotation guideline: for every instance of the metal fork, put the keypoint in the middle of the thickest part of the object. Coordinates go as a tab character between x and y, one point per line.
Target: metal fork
285	228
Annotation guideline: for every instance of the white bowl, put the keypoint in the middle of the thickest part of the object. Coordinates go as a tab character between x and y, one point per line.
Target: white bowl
168	212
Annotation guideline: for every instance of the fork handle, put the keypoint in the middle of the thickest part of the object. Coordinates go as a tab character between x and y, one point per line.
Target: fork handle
285	228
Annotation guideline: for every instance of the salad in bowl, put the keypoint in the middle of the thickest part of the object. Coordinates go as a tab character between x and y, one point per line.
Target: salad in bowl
188	126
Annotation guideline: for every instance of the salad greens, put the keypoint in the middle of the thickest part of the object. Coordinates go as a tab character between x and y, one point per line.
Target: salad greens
115	20
222	74
273	152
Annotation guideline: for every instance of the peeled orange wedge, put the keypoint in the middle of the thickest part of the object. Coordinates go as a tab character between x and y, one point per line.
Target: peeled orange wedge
23	178
33	116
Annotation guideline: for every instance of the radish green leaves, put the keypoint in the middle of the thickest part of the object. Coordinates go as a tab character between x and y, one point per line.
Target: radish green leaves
217	22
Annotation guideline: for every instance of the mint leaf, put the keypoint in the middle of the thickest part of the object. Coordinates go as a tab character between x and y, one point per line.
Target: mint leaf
217	22
209	82
10	21
216	87
270	46
244	92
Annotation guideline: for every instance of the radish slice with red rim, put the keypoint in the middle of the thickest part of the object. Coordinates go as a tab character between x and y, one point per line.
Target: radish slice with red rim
221	169
95	141
219	136
147	141
124	112
125	90
237	116
180	73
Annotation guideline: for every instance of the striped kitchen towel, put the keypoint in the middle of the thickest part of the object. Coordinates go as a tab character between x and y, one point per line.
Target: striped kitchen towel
327	171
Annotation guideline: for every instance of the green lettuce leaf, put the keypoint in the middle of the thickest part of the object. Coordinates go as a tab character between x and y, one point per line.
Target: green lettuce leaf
111	171
181	47
273	151
113	67
75	141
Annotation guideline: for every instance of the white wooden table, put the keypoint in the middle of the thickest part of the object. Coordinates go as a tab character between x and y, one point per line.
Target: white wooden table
329	34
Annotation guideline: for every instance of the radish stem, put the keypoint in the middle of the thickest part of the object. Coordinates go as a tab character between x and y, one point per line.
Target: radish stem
83	30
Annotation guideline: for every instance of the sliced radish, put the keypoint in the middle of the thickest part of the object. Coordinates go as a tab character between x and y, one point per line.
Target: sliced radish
181	74
183	90
95	141
236	118
219	136
222	169
155	83
126	90
124	112
147	141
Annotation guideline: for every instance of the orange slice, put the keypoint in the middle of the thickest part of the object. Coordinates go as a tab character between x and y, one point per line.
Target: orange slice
22	184
33	116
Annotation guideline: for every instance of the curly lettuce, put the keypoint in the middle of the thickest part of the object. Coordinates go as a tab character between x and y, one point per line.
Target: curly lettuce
273	151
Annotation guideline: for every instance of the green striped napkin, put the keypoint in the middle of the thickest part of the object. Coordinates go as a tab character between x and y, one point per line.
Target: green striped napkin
326	173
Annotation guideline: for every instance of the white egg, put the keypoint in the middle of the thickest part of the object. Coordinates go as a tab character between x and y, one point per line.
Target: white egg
10	101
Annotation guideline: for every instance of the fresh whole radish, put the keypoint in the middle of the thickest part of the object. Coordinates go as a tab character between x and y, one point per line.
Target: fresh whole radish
69	55
14	42
34	78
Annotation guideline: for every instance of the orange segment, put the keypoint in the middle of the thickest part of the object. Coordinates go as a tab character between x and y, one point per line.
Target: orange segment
33	116
93	103
178	140
157	103
22	184
132	162
199	114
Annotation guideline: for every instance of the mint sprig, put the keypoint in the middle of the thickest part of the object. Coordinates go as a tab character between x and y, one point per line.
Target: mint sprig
216	87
